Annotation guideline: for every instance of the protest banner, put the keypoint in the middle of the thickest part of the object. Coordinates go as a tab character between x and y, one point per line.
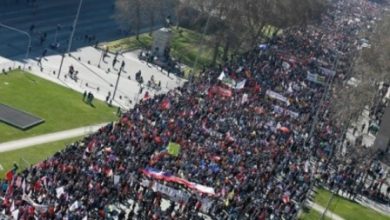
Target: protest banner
328	72
218	90
277	96
280	110
177	195
231	82
316	78
160	175
173	149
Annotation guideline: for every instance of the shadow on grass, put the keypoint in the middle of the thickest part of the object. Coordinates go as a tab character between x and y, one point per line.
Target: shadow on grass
305	209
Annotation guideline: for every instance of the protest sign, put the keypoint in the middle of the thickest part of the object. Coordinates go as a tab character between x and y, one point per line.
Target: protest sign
277	96
173	149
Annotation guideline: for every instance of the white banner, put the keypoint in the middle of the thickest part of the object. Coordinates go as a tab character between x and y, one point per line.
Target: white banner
328	72
31	202
281	110
173	194
230	82
177	195
316	78
277	96
60	191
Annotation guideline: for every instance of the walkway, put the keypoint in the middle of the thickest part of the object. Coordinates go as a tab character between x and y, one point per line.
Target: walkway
321	210
47	138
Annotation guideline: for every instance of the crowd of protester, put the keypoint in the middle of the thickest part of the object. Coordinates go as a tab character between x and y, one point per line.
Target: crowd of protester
251	144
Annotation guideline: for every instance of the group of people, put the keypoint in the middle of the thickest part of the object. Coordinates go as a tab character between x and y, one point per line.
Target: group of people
88	98
247	149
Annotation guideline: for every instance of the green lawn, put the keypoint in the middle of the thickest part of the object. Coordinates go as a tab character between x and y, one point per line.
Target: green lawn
60	107
310	214
130	43
184	46
31	155
346	208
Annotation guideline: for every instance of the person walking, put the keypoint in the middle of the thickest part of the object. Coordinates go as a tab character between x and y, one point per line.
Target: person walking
115	60
84	96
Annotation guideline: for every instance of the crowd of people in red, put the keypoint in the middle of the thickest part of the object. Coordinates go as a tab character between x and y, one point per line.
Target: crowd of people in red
244	134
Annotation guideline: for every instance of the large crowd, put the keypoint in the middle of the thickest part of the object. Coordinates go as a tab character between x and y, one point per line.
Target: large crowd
251	144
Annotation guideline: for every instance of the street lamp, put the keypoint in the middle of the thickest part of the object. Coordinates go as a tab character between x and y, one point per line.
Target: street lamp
74	26
117	81
21	32
56	35
71	36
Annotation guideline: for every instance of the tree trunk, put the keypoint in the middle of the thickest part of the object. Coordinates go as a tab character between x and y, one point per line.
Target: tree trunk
275	31
137	22
226	50
216	52
151	23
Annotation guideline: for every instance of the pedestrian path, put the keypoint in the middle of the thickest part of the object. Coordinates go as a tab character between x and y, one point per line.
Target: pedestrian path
47	138
321	210
100	76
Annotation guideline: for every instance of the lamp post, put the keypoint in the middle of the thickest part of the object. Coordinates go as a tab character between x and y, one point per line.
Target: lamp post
117	81
56	35
74	26
21	32
71	36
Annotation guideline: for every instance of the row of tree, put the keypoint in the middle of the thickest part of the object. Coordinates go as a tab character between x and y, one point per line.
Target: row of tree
369	69
233	25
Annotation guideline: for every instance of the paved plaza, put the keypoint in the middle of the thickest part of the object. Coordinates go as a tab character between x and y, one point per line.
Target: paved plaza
100	81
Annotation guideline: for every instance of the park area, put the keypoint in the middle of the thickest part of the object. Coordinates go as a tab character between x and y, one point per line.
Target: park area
26	157
60	107
184	46
347	209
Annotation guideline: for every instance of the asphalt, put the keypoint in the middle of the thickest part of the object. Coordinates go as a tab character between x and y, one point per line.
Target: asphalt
96	18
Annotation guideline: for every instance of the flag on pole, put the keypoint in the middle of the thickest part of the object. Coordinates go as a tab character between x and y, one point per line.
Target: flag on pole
9	175
165	104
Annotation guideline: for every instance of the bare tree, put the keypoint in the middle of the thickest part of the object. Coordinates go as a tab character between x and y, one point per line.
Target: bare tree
369	69
128	14
235	25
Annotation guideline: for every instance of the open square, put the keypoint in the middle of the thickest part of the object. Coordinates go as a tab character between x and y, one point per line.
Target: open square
60	107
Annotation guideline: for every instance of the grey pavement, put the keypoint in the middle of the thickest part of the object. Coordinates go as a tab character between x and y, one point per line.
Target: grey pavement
47	138
96	18
101	80
368	138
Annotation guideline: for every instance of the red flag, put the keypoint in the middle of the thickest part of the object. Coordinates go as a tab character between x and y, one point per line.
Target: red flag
165	104
284	129
9	175
220	91
146	96
37	185
286	198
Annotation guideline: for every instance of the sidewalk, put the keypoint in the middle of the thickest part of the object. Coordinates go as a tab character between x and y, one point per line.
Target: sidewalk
47	138
100	77
321	210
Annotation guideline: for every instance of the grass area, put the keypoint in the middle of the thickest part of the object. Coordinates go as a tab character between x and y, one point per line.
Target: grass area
184	46
130	43
347	209
60	107
310	214
31	155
